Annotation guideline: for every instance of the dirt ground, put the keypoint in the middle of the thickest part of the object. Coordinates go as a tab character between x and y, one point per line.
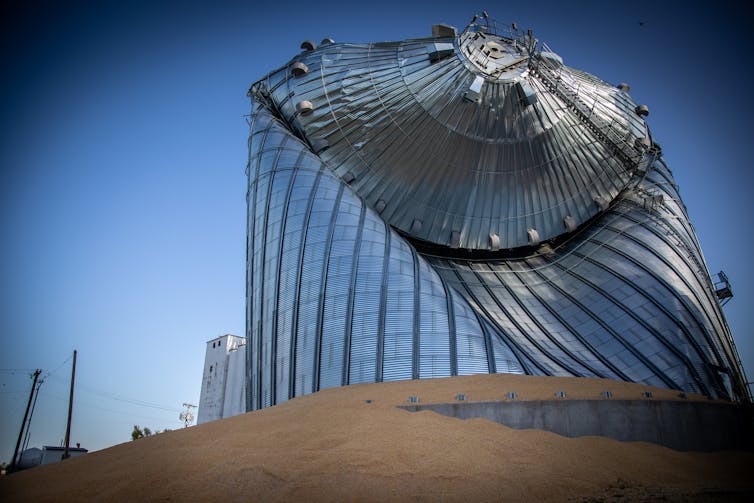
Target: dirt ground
336	446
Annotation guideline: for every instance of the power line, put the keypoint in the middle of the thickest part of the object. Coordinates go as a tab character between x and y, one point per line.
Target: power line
83	405
133	401
58	367
121	398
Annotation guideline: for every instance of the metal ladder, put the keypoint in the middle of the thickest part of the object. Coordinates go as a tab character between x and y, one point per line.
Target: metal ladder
615	139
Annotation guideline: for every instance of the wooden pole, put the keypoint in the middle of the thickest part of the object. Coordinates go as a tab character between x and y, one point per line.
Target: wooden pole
23	424
70	409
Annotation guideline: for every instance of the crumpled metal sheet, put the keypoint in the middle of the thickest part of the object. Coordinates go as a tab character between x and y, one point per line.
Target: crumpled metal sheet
402	126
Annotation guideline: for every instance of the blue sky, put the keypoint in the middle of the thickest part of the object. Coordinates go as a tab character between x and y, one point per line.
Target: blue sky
122	155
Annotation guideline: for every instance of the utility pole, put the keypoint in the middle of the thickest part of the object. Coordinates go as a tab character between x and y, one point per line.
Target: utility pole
23	424
187	416
31	414
70	409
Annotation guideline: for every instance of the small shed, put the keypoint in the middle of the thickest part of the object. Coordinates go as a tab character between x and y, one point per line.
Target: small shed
53	454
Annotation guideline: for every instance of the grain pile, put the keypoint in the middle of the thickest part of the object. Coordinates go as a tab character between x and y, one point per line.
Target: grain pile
333	445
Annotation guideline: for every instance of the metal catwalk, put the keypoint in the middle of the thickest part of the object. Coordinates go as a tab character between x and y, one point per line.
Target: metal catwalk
467	204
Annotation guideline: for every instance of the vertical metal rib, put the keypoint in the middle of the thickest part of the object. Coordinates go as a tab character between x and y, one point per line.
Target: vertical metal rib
383	307
417	313
299	270
273	173
249	237
323	286
258	356
488	348
279	261
351	296
451	328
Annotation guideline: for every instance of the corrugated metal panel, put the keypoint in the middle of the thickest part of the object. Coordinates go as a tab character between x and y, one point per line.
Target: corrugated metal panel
339	272
398	350
364	327
311	283
434	340
375	93
472	356
343	298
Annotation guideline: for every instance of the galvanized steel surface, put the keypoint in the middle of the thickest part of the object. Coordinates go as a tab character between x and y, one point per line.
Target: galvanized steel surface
335	295
350	143
402	126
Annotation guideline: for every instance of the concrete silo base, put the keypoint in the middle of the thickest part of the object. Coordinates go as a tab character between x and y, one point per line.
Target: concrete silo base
680	425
